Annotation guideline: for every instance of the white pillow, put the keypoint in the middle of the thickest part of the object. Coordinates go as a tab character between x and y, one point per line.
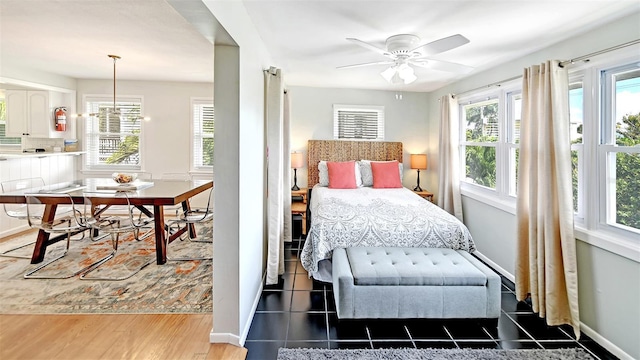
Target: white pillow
323	174
366	173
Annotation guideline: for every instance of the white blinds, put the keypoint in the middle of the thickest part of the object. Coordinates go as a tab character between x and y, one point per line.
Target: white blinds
358	122
113	141
203	121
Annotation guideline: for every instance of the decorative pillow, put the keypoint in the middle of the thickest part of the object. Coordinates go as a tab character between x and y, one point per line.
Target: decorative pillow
342	175
323	174
366	174
385	175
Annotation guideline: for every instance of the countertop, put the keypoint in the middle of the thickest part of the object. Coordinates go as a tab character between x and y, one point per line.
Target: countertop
18	155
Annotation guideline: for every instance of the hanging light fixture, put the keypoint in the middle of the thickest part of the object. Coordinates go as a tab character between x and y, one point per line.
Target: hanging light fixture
400	72
115	111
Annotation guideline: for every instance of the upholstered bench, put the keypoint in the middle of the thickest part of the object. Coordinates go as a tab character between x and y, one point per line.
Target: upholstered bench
433	283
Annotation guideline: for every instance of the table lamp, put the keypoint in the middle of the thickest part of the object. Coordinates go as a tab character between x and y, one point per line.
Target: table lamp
297	161
418	162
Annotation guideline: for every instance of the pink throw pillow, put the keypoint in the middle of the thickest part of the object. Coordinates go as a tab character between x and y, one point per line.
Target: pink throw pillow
342	175
386	174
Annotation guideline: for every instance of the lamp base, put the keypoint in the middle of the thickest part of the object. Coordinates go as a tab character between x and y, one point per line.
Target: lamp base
417	188
295	188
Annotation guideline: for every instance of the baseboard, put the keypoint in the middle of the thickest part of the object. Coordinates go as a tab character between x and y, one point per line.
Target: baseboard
14	231
224	338
495	266
601	340
235	339
611	347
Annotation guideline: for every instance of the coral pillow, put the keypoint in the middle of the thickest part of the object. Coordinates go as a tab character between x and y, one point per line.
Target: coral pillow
342	175
386	175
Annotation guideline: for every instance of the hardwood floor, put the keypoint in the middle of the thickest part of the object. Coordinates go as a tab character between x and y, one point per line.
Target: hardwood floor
112	336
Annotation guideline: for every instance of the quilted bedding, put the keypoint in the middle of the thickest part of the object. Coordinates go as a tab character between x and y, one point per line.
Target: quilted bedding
366	216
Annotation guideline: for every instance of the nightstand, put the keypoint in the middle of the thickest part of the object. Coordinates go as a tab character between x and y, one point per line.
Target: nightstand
300	207
425	194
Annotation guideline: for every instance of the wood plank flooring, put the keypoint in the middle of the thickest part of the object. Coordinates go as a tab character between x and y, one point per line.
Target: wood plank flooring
112	336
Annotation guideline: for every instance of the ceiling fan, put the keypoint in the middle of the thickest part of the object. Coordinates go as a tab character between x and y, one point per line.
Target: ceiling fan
405	49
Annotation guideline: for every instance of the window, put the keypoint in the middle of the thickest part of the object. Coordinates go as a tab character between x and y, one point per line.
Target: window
203	121
3	125
489	139
113	142
358	122
576	125
619	147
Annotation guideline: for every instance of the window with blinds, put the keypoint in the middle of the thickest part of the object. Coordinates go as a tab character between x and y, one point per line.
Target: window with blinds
203	120
113	140
3	125
358	122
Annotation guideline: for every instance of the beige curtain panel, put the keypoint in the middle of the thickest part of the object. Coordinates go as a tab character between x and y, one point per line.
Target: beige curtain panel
546	260
448	158
274	112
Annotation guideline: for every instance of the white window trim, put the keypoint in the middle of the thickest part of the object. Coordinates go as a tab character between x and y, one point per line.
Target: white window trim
372	108
102	169
498	197
587	226
199	170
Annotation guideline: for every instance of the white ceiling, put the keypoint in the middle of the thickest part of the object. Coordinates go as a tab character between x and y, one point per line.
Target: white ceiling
306	39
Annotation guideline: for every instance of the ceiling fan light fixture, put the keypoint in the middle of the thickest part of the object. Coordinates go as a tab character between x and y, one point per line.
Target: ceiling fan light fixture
389	73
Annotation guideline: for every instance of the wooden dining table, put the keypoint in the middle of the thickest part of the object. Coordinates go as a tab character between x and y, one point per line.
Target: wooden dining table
102	191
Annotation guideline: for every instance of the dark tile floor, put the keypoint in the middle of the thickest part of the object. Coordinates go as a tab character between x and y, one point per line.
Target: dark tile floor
300	312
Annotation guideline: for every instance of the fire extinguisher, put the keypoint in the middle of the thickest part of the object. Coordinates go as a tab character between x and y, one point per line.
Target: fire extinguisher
61	118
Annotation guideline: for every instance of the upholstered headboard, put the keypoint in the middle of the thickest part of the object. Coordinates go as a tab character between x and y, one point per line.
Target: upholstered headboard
340	150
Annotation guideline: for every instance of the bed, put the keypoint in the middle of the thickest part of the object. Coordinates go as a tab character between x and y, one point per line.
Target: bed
367	216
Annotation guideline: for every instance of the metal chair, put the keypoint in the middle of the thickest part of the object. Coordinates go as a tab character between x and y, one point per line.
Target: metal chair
114	226
76	221
19	211
188	217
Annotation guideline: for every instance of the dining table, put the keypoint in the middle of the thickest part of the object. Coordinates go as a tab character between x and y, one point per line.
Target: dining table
145	195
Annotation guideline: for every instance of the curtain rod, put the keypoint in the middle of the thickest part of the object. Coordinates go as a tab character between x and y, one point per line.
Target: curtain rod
603	51
562	64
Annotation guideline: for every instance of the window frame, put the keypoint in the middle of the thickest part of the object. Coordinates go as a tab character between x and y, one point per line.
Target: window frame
380	122
502	196
91	98
195	138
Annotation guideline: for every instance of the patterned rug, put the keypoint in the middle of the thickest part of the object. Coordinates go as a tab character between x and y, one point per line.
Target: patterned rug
175	287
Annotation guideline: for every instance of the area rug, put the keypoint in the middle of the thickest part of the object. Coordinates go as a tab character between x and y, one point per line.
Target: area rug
175	287
431	354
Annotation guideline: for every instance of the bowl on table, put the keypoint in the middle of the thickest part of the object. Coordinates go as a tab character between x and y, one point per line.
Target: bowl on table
124	178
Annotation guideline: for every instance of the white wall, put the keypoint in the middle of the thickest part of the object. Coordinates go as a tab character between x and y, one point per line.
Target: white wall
238	263
405	121
609	284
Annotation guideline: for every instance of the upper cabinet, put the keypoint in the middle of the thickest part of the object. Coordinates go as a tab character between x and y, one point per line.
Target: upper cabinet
30	113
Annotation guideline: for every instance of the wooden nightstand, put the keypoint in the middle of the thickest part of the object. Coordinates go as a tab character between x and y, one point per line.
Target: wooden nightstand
300	207
425	194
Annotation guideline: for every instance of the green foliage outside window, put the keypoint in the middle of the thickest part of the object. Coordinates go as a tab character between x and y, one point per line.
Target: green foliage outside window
628	173
482	126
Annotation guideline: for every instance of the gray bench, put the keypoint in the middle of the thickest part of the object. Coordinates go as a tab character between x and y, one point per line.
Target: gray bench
432	283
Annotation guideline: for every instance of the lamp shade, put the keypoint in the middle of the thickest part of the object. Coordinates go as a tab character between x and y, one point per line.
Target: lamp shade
419	161
297	161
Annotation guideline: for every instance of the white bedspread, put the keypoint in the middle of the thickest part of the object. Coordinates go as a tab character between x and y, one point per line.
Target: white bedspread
366	216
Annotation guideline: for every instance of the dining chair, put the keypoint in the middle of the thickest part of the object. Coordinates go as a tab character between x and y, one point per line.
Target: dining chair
19	211
132	222
75	221
193	216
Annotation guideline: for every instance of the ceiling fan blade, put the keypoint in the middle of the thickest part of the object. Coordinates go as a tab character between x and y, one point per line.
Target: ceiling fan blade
365	64
441	65
369	46
442	45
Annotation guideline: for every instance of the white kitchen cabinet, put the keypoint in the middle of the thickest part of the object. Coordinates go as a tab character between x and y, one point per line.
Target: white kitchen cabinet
30	113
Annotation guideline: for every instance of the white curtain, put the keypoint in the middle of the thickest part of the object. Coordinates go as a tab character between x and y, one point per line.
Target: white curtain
448	158
276	167
546	260
286	151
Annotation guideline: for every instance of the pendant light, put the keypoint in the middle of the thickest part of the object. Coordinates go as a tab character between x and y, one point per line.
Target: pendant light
114	111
